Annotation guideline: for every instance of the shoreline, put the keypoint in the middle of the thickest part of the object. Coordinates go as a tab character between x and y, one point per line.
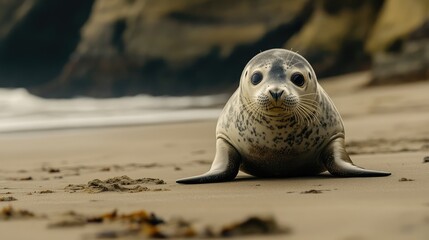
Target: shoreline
54	172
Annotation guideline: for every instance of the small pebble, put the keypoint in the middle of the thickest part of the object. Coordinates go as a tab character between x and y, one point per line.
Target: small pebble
312	191
405	179
53	170
7	199
46	191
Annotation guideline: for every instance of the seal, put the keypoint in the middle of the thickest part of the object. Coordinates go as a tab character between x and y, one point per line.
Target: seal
280	123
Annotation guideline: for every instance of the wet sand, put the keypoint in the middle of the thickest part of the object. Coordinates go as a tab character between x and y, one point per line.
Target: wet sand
387	128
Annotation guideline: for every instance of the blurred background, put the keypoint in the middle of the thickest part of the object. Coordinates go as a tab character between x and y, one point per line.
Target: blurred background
94	49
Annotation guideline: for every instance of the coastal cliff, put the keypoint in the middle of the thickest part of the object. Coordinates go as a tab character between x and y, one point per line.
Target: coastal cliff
113	48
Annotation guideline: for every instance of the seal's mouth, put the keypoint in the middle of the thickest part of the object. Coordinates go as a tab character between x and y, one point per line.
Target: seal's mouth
277	109
285	104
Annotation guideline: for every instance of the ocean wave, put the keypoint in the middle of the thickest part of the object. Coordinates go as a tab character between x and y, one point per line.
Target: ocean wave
22	111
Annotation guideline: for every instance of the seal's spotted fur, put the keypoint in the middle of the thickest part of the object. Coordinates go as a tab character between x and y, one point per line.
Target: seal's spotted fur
278	127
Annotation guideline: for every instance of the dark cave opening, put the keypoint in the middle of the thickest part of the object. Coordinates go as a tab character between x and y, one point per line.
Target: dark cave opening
54	27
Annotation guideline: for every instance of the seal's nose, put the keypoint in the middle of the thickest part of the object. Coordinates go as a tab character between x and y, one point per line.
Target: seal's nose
276	94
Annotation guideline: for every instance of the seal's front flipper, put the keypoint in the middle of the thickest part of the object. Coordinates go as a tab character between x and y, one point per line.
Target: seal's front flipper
338	162
224	167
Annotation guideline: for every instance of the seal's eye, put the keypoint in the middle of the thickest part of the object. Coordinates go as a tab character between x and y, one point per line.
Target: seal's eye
256	78
297	79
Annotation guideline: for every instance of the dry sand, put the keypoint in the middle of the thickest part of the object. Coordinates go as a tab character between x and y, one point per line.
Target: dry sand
387	128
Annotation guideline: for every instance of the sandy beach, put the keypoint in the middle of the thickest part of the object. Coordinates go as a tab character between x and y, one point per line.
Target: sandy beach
387	128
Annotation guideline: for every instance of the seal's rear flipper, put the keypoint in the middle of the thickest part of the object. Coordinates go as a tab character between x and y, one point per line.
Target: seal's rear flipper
224	168
338	162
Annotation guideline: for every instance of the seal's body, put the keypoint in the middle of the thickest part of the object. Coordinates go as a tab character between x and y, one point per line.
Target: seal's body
278	147
279	123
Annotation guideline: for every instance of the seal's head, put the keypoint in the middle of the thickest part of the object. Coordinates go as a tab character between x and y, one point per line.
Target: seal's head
279	83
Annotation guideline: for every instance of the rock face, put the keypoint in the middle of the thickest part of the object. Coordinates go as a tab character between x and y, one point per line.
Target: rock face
106	48
37	37
174	47
410	64
399	42
396	21
333	38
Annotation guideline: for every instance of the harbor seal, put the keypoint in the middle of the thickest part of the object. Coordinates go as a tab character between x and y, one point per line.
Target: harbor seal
279	123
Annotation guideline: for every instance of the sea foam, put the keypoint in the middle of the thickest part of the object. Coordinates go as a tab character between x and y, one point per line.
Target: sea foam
22	111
